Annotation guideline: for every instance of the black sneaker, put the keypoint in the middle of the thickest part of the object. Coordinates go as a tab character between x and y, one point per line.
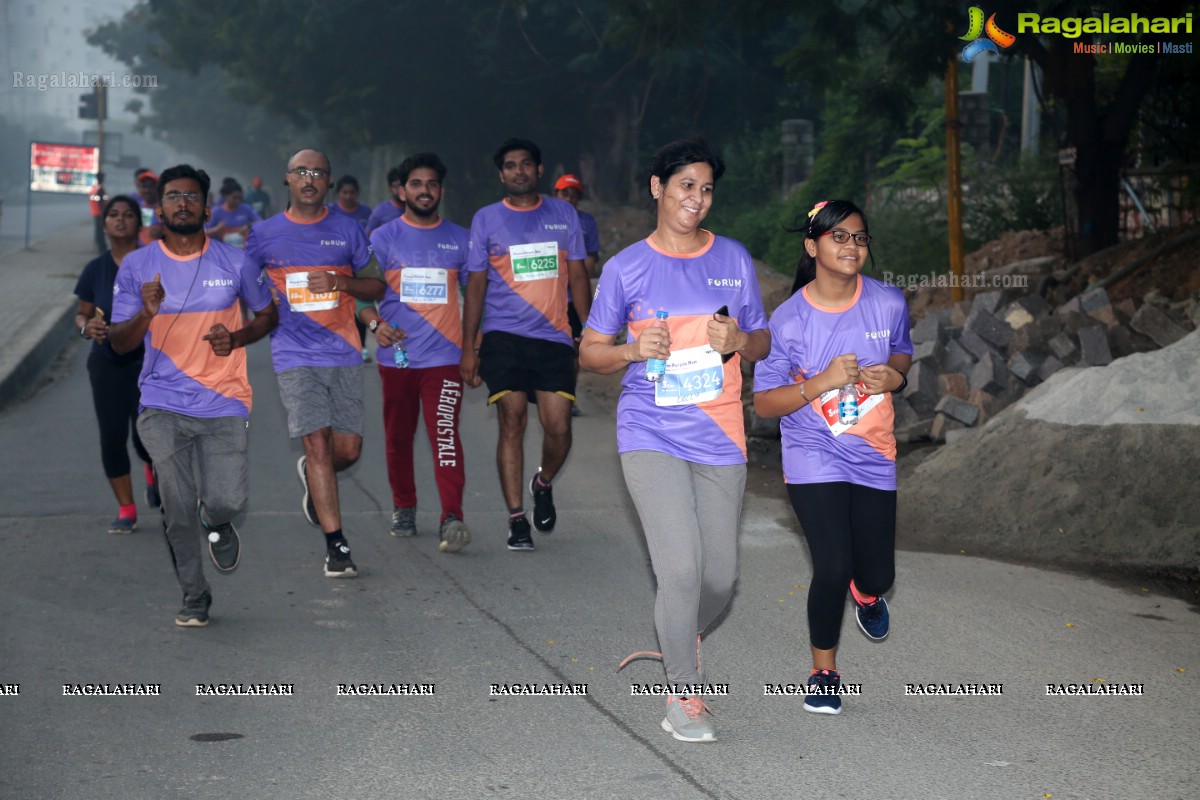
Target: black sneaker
544	515
518	534
310	511
822	696
194	613
224	547
337	561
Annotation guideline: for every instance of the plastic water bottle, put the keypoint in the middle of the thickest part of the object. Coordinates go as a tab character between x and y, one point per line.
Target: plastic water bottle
655	367
399	354
847	405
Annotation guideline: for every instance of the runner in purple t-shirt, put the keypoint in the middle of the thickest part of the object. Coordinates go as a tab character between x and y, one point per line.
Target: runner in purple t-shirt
681	439
839	328
230	222
319	263
524	251
391	208
183	298
422	256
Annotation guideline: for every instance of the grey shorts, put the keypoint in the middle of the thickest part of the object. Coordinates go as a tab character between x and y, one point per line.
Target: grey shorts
322	397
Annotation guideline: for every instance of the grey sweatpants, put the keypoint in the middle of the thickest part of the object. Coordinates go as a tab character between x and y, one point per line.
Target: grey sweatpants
690	514
196	459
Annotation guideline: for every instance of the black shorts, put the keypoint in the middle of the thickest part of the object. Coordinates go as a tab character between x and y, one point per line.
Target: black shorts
511	363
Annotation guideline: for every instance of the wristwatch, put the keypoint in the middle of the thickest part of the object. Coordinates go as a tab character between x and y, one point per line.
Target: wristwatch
83	331
373	324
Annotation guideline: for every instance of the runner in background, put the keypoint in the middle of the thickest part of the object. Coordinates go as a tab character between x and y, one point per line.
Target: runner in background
524	252
231	221
147	188
183	299
418	321
682	439
391	208
114	378
258	199
320	263
97	198
345	195
346	202
839	328
570	188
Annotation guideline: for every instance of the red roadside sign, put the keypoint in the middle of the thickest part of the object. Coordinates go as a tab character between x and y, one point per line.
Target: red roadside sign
63	168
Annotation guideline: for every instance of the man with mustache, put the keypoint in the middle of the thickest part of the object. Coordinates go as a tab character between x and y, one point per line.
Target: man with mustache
181	297
319	264
524	251
419	332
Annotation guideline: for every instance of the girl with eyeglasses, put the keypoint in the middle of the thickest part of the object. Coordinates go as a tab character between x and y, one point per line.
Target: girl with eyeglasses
838	328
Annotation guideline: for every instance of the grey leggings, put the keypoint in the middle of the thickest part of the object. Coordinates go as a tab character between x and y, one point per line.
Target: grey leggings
690	515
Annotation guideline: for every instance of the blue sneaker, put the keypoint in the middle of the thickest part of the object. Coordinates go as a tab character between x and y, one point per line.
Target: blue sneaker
122	525
873	618
822	698
153	498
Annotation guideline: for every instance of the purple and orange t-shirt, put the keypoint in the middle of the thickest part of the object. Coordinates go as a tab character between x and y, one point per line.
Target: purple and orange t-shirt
180	372
422	266
315	330
805	338
383	213
525	251
695	413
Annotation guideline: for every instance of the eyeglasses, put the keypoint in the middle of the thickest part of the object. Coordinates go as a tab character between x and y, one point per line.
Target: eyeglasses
841	237
305	172
179	197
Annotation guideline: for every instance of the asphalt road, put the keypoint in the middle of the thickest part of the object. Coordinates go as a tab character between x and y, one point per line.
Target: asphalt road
82	606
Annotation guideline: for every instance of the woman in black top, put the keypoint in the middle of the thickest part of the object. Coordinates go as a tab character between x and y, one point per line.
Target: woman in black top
114	378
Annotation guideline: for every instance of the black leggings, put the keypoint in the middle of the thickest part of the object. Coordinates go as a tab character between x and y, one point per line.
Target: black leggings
851	533
115	396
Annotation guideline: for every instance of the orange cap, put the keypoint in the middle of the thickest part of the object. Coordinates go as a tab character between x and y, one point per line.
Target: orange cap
147	174
568	181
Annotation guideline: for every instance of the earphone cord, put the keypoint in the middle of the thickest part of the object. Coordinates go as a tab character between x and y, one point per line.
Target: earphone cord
150	373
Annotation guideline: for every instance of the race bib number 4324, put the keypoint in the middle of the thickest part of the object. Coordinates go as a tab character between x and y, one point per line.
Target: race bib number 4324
693	375
534	262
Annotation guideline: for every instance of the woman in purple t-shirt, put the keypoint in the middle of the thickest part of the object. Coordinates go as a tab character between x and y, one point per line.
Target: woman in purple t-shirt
839	329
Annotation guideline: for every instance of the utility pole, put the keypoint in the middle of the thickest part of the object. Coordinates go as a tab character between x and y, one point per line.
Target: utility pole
101	113
954	182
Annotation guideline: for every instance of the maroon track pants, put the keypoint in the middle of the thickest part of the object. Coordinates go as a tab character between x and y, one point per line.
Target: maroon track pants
438	391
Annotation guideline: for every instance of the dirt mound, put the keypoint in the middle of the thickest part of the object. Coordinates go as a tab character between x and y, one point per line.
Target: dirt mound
1094	469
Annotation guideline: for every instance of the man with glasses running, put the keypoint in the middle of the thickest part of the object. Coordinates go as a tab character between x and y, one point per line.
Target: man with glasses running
182	297
319	264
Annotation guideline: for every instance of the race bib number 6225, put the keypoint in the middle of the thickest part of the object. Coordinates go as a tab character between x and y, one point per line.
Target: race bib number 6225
534	262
